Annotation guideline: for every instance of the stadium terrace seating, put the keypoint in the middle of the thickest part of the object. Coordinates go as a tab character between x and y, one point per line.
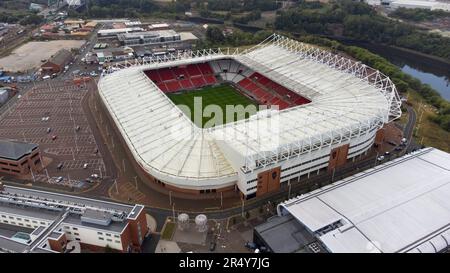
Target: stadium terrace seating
198	81
283	92
186	84
183	77
162	86
268	92
166	74
193	70
172	86
205	69
153	75
190	76
210	79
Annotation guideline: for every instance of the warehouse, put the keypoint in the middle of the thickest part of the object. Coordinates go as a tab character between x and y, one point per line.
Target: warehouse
148	37
400	206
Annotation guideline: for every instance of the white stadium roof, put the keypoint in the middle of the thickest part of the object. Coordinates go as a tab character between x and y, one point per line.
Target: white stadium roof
347	99
400	206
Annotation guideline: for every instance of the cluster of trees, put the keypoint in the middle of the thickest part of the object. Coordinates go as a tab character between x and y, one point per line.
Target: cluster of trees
14	11
9	18
359	21
402	81
215	38
21	18
418	15
130	8
242	6
252	16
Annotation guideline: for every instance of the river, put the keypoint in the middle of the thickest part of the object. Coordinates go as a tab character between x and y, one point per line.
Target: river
433	72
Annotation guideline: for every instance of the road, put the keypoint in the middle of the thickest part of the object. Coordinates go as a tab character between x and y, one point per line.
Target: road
409	128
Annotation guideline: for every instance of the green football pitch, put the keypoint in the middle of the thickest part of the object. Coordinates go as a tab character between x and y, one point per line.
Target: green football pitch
223	98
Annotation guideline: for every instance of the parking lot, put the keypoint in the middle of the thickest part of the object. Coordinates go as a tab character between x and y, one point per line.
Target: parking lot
51	115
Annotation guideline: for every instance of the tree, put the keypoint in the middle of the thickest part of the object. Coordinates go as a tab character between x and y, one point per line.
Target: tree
32	19
109	249
214	34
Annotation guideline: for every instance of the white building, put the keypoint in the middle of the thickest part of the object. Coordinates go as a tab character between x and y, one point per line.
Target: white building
419	4
349	103
400	206
411	4
52	220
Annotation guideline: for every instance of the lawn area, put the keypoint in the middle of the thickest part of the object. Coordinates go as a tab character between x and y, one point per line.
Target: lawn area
168	231
214	101
426	131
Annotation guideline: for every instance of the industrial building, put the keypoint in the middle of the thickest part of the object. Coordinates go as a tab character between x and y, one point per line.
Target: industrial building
57	62
400	206
112	33
331	110
149	37
411	4
38	221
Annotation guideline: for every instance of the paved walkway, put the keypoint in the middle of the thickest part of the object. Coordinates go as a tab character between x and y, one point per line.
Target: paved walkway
151	223
167	247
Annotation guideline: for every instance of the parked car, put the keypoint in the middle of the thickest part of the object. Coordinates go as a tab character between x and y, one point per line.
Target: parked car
85	165
94	175
251	245
59	179
380	158
59	167
54	137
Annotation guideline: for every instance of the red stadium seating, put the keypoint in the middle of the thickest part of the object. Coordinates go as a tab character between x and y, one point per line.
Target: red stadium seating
153	75
162	86
193	70
263	89
182	77
205	69
166	74
186	84
198	81
210	79
269	92
172	86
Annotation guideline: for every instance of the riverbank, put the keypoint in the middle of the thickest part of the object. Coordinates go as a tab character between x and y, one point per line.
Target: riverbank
422	98
349	41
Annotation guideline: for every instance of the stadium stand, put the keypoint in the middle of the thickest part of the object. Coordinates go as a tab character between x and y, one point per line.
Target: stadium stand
174	79
254	84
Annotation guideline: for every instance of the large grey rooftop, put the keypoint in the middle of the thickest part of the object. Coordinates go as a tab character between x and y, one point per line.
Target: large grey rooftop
70	198
14	150
29	211
113	226
284	234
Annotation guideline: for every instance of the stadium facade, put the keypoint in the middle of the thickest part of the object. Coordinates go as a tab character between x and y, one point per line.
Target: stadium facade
330	110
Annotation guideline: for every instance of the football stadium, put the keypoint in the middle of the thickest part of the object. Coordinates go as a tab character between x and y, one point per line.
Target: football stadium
315	111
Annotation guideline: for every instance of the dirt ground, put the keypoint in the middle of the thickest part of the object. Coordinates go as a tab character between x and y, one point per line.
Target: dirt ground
29	55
